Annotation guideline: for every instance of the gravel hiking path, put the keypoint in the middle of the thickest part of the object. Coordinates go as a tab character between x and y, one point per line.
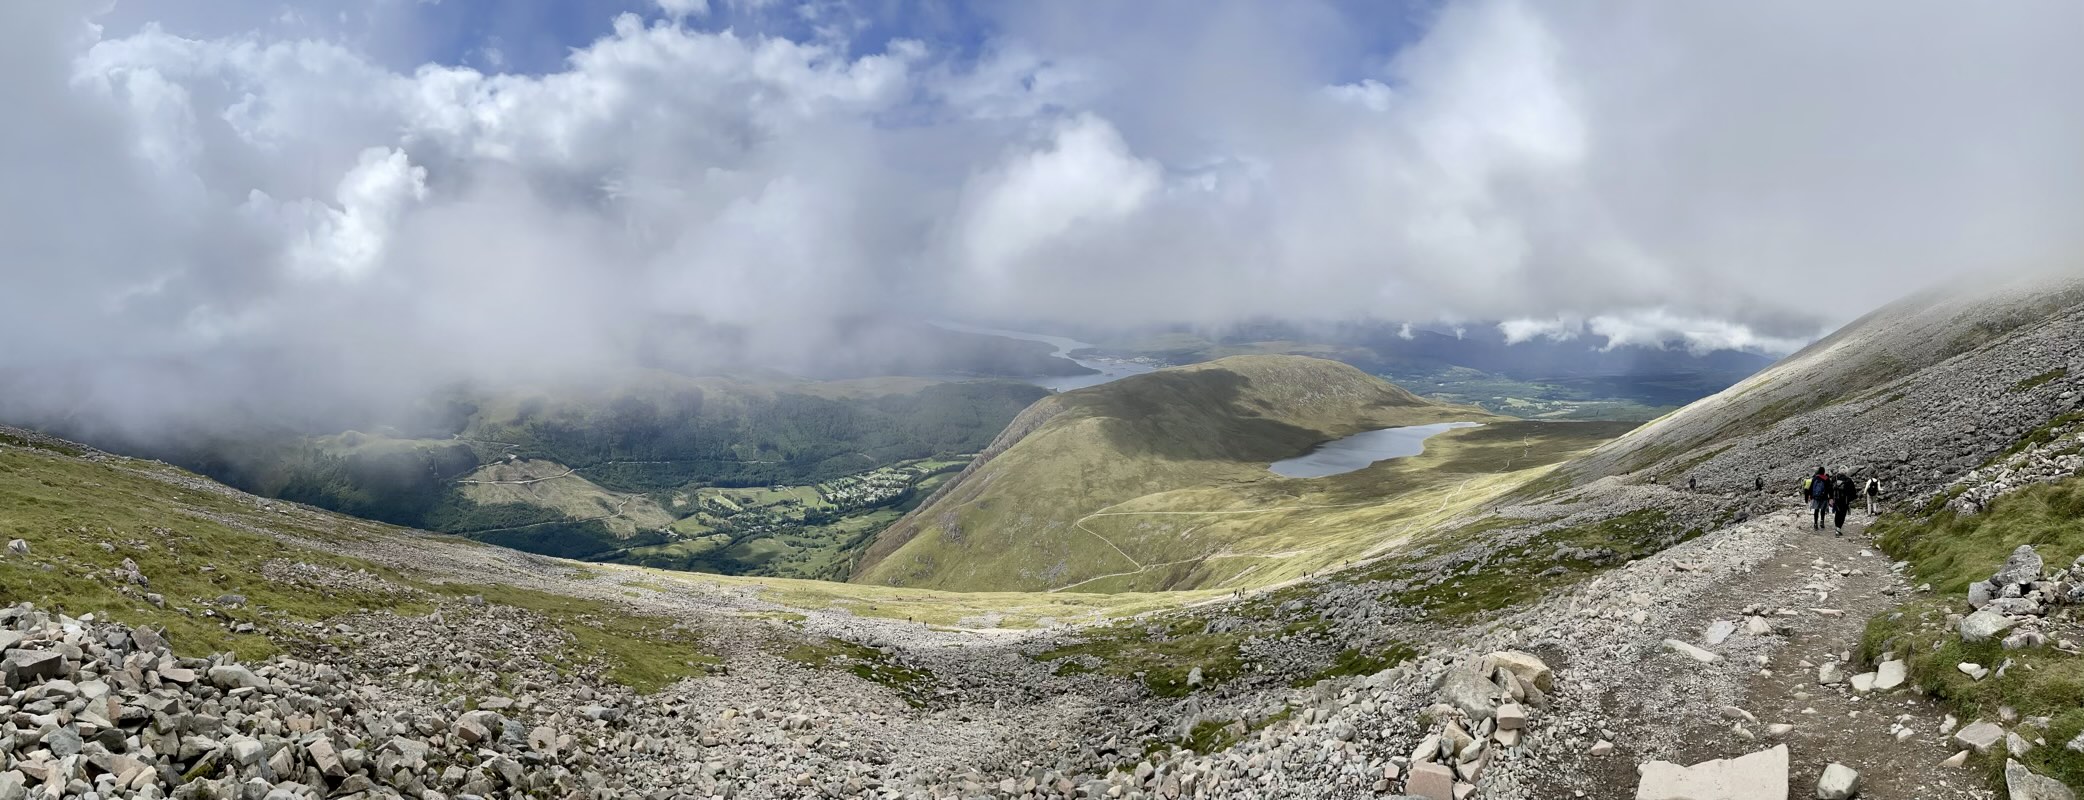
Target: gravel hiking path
1817	591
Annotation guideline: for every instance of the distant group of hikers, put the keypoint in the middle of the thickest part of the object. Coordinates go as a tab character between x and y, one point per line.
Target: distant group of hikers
1832	496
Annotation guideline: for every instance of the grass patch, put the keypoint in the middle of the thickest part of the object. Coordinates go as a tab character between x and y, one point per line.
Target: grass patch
644	653
915	684
1160	654
2031	383
1951	552
192	545
1357	662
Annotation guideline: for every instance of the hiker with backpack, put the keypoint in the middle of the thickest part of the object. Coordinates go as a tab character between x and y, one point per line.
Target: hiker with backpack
1842	492
1873	494
1818	490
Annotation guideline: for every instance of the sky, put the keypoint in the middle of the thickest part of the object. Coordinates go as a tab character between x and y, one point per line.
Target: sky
387	193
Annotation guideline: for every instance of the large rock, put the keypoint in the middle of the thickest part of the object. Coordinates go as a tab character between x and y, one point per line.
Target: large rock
233	676
1759	776
2022	566
1525	666
2013	607
1471	692
1983	624
1890	675
22	666
1430	781
1980	736
1839	782
2024	785
1980	594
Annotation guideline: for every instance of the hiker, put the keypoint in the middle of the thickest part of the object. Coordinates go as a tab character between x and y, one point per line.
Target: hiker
1818	488
1842	492
1758	483
1873	494
1692	484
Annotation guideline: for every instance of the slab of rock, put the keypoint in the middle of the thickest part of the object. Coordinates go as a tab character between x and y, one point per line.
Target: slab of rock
1691	652
1511	717
233	676
1759	776
1863	682
1757	626
1890	675
1719	632
2014	607
1972	669
2022	566
1980	736
2022	784
1829	674
1430	781
1839	782
26	665
1983	624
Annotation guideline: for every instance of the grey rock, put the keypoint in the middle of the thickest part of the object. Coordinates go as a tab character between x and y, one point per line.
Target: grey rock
27	665
1471	692
1983	624
2022	566
1758	776
234	676
1839	782
2022	784
1979	736
1979	594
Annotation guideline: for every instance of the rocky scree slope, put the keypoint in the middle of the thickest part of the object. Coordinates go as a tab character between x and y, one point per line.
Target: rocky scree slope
1915	393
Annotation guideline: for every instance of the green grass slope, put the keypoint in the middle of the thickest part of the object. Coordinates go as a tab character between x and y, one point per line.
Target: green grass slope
1163	459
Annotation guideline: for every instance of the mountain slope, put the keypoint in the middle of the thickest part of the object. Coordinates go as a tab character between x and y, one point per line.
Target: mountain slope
1195	438
1917	391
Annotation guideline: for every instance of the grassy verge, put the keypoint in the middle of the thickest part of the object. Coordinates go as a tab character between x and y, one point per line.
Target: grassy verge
1951	552
2041	682
643	653
915	684
82	519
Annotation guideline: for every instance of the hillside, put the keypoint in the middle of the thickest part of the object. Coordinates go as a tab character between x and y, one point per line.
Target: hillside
1160	482
1914	393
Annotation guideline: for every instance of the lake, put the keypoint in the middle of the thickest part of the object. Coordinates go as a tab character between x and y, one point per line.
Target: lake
1105	369
1362	449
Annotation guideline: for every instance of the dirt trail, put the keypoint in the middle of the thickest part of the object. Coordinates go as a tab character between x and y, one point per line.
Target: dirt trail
1817	591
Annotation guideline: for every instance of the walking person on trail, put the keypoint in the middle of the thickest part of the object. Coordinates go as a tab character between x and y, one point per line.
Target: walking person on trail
1692	484
1758	483
1873	493
1842	492
1818	489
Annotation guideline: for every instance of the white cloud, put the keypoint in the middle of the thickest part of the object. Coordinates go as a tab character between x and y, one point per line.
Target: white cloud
1522	330
1662	172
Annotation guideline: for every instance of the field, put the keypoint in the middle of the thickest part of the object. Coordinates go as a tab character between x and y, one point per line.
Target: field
811	531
